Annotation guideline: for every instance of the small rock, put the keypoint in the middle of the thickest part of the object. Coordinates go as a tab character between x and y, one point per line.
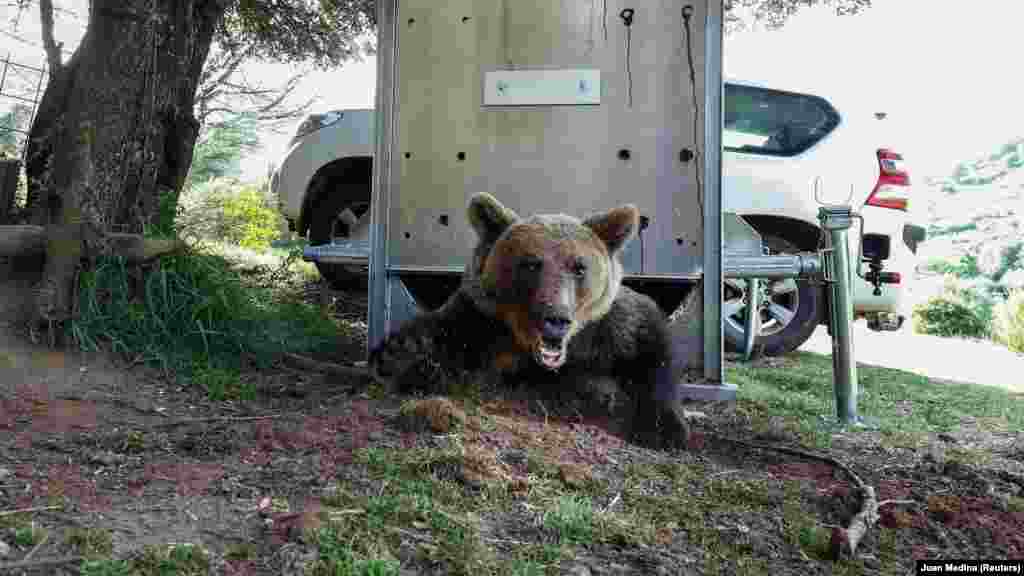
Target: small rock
5	473
5	549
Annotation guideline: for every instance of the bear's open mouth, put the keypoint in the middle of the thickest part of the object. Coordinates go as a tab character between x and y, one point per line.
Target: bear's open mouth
549	357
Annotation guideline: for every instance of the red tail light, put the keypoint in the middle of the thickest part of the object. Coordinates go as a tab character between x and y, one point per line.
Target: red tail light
890	277
893	184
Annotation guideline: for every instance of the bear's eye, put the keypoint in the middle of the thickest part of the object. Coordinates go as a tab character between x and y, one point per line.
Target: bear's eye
579	268
530	264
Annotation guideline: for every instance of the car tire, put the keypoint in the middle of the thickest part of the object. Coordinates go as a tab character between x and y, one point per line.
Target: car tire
790	309
327	222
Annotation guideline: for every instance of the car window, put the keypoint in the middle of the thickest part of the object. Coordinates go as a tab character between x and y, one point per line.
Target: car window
774	122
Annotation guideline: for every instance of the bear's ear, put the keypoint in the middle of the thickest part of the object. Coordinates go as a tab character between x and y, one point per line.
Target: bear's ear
489	217
615	227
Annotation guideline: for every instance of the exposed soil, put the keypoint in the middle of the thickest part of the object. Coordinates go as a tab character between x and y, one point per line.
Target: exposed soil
87	441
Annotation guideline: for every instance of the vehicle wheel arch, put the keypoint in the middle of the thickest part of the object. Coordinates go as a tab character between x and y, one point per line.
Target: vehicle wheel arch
356	168
795	231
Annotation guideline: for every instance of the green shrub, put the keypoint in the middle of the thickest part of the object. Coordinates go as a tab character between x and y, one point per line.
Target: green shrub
980	295
967	267
249	222
949	315
1008	323
1010	259
225	210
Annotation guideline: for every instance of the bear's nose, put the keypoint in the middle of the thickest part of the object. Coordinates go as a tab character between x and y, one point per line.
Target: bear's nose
555	329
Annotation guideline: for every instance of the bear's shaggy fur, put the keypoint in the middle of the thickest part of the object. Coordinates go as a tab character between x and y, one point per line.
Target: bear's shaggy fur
542	302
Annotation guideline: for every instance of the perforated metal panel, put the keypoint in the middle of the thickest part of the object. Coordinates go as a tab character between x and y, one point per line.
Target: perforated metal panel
447	144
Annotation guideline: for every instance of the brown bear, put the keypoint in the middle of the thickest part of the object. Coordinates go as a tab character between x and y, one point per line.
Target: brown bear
542	303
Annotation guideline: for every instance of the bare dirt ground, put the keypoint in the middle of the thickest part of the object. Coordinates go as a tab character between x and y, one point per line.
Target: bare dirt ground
88	442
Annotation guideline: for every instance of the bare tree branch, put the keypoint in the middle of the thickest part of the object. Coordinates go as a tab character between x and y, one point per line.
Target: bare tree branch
49	44
225	91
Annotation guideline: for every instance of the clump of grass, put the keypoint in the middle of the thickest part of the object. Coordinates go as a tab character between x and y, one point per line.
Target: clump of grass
90	541
241	551
179	559
106	567
572	519
336	557
196	317
410	498
28	535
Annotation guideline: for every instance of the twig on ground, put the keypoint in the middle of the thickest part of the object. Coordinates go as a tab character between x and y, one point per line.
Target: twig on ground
410	534
32	552
186	421
844	541
311	365
894	502
505	541
27	510
223	535
13	566
612	503
545	409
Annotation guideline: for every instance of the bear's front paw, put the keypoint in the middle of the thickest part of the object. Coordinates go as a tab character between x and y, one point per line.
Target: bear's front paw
387	362
405	363
661	429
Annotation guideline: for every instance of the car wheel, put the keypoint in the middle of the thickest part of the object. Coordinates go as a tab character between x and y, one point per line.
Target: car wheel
789	309
339	217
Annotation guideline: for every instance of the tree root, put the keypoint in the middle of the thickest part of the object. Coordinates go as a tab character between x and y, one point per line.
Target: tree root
311	365
844	541
31	240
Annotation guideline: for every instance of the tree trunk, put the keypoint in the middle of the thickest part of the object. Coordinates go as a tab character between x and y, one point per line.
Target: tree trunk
115	130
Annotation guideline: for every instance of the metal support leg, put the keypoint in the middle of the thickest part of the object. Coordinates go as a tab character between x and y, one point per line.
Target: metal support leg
753	325
844	369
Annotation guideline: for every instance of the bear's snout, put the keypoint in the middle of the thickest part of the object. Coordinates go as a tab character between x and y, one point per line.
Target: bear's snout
554	330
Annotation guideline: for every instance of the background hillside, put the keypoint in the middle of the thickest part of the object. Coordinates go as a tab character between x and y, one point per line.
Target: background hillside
975	220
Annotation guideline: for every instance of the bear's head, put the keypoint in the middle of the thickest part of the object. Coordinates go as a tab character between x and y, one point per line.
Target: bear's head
548	275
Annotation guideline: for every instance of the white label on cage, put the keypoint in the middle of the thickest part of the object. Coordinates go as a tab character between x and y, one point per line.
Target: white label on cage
542	87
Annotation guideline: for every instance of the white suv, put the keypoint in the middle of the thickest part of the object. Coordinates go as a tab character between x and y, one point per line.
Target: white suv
777	144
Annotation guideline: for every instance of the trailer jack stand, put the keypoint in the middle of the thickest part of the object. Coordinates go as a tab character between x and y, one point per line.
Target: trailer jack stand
837	220
831	264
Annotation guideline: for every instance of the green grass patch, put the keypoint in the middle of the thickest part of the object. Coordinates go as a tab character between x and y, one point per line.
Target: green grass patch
178	559
175	560
90	541
106	567
195	316
28	535
801	528
337	557
571	519
900	403
13	522
411	500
